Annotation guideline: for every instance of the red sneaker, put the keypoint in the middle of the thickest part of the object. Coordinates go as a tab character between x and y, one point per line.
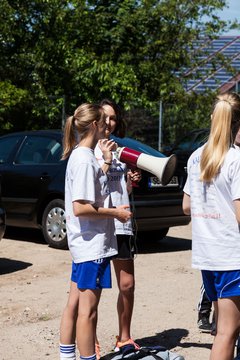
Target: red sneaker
130	341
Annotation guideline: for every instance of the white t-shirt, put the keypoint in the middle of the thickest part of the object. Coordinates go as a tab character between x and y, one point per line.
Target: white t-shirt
118	189
215	230
88	238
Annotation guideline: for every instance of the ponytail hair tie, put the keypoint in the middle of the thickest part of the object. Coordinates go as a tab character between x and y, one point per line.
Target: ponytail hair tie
73	121
228	102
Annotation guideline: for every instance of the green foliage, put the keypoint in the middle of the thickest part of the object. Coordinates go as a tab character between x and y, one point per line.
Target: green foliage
192	111
11	98
56	54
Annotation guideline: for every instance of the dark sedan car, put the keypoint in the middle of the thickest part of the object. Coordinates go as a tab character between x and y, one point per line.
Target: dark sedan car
2	217
186	146
33	187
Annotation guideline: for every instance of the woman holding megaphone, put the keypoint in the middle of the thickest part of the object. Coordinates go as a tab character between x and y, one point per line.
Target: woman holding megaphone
120	184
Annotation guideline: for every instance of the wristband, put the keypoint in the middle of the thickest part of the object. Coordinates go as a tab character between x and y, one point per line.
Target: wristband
107	163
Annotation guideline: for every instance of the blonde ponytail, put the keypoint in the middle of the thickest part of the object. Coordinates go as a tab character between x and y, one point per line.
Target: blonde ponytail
224	126
78	125
69	138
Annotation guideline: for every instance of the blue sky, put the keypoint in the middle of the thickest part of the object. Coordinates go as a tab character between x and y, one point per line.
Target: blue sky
231	13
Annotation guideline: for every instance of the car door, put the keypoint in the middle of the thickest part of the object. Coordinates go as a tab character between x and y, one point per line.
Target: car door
8	148
27	177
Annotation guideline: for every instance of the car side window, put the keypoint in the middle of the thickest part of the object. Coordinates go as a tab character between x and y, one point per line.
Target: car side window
7	146
185	143
200	140
39	150
56	152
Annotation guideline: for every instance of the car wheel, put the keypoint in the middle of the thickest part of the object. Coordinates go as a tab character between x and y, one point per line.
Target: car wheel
54	224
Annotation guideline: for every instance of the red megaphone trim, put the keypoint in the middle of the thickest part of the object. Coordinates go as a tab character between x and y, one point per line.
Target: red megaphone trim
129	156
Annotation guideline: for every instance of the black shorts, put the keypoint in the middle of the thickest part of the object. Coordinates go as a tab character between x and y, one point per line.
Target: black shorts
126	247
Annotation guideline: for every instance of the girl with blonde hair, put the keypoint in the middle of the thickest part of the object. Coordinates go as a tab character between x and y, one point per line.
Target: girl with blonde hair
90	229
212	197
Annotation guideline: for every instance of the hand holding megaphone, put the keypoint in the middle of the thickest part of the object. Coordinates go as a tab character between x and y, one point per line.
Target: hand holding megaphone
163	167
133	177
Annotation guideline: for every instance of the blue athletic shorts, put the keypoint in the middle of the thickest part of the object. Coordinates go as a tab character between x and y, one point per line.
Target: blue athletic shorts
221	284
92	275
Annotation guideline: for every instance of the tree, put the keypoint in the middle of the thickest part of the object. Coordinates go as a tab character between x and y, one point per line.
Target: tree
59	52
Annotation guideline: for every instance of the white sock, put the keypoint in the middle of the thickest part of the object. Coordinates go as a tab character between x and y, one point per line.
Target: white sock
67	351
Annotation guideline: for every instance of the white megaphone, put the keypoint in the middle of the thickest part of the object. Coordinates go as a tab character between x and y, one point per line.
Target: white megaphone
162	167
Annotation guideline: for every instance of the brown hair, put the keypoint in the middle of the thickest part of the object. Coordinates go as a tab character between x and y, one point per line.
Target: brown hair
120	129
78	125
224	126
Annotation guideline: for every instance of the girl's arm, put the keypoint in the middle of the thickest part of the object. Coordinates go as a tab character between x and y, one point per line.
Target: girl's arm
83	209
186	204
107	146
237	209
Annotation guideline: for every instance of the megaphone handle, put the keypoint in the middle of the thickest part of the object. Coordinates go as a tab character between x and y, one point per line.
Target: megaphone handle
133	183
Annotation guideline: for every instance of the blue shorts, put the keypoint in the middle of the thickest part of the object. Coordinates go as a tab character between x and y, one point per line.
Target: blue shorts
92	275
221	284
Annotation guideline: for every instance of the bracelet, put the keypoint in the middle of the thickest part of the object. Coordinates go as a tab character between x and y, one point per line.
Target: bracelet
107	163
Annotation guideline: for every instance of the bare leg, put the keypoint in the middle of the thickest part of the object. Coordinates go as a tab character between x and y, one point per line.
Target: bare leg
87	321
124	270
69	317
228	326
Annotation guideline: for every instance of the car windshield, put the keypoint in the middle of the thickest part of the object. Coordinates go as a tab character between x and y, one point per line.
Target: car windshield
185	143
200	140
137	145
192	141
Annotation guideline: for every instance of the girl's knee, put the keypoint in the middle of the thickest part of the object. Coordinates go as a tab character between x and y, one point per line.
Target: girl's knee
88	314
127	288
227	334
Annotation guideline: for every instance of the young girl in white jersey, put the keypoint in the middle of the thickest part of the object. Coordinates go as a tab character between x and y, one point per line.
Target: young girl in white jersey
90	229
120	183
212	197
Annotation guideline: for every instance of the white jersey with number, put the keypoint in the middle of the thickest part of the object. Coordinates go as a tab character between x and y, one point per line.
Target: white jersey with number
215	230
118	189
88	238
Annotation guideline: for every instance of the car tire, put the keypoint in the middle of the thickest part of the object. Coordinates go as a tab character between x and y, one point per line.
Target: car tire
54	224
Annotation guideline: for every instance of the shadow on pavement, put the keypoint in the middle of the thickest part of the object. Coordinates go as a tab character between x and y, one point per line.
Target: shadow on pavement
172	338
8	266
168	338
24	234
147	244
